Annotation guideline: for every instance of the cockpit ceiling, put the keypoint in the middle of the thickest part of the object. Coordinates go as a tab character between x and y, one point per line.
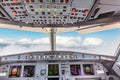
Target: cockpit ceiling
41	12
57	13
81	30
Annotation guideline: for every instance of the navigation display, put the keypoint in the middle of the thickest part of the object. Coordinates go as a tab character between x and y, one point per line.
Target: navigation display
29	71
75	69
88	69
53	78
15	71
53	70
43	71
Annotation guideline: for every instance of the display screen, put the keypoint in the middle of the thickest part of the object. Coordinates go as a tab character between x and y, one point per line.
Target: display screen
75	69
53	70
88	69
29	71
43	71
53	78
15	71
87	79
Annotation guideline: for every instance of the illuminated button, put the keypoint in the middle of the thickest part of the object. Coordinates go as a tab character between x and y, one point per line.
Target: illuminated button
14	13
59	56
86	11
74	10
15	0
55	7
27	1
48	6
66	1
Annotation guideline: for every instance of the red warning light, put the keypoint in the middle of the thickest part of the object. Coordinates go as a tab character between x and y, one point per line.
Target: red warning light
14	13
86	11
55	7
15	0
66	1
74	10
48	6
27	1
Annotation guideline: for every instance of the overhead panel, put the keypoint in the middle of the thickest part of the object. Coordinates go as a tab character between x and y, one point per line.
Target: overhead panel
42	12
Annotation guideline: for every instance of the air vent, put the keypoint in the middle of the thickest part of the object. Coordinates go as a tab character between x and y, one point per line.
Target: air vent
95	12
1	14
105	15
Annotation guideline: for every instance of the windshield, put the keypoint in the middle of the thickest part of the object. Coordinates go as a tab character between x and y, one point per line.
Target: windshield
102	43
16	41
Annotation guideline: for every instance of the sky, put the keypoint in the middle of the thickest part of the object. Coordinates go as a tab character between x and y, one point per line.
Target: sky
16	41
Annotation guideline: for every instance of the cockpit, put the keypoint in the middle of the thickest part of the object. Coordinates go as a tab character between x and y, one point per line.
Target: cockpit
59	40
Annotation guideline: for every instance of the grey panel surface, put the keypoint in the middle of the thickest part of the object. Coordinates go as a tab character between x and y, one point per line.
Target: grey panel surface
49	56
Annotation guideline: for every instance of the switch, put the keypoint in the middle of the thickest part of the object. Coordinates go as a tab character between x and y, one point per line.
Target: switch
86	11
15	0
74	10
66	1
14	13
27	1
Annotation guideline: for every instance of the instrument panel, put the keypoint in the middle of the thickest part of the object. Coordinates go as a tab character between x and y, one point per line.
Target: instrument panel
53	66
54	56
53	71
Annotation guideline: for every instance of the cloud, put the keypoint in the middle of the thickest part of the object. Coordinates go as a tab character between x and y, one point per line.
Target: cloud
1	40
88	45
16	49
41	41
25	41
92	41
68	41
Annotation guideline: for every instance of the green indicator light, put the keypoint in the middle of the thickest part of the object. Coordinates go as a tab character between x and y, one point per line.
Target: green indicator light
59	10
38	10
48	10
48	0
55	9
52	10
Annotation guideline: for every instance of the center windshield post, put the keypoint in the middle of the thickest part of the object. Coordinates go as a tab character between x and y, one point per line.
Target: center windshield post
53	39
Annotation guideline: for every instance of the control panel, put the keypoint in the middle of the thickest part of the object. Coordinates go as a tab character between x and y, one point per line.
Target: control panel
59	65
116	66
47	11
53	71
54	56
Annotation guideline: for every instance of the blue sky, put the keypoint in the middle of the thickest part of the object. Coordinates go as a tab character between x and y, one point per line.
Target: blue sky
17	34
106	35
16	41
